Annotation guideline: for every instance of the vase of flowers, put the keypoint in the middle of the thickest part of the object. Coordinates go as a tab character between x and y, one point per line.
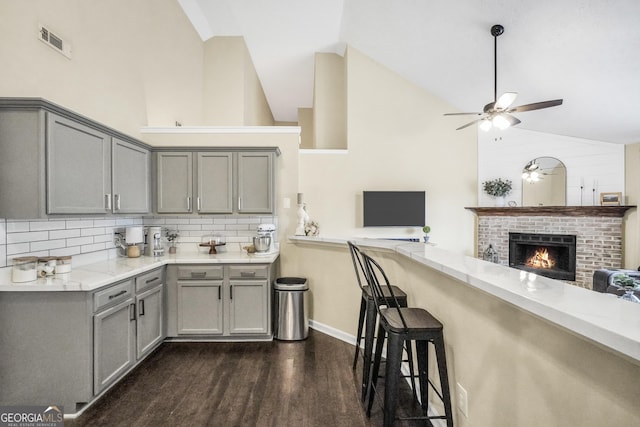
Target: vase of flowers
498	188
171	238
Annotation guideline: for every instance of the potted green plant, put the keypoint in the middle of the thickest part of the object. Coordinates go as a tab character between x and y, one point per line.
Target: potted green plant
498	188
426	229
628	284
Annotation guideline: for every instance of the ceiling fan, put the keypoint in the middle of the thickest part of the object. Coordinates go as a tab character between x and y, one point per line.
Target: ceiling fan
498	112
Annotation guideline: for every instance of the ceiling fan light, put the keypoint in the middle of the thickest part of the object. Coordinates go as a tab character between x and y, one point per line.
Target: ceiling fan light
485	125
501	122
505	100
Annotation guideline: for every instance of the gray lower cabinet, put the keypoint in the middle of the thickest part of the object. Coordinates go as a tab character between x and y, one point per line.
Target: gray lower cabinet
200	308
56	162
127	325
215	182
219	301
114	337
150	312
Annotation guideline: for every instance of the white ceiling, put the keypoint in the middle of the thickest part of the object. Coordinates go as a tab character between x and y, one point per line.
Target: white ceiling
584	51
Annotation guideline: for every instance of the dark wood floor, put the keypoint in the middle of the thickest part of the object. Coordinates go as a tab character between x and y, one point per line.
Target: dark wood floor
304	383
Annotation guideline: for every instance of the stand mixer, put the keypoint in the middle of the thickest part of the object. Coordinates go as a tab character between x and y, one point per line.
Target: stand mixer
270	231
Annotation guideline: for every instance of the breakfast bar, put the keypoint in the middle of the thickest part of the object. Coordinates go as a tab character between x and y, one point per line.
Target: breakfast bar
528	350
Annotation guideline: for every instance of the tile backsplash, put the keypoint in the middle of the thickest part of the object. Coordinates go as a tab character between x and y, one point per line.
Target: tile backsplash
88	239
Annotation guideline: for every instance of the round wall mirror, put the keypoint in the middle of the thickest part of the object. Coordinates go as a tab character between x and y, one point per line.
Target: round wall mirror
544	182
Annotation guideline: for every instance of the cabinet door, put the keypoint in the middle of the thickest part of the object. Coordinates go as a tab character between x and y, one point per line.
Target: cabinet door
149	324
130	177
114	344
200	308
248	307
78	168
215	182
255	177
174	182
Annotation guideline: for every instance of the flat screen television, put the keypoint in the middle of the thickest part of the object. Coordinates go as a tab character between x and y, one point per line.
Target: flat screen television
393	208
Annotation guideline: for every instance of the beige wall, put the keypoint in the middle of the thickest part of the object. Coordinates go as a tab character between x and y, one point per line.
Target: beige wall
134	62
398	139
329	102
518	370
233	95
631	250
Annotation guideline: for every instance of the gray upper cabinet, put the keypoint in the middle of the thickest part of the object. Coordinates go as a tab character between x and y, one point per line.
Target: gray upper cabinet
56	162
130	178
255	182
215	182
78	168
174	182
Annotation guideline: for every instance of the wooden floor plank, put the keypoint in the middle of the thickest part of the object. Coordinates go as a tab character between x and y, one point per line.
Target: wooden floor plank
301	383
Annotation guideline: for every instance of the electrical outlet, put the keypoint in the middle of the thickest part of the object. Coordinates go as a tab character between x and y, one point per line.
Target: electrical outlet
461	399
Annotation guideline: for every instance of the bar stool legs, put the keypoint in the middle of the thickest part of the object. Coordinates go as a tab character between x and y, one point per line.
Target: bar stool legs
363	308
395	343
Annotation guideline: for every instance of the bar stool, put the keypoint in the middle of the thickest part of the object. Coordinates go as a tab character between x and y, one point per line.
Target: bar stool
367	319
401	325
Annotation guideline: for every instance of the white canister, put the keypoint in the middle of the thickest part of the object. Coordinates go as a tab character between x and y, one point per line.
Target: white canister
24	269
63	264
47	266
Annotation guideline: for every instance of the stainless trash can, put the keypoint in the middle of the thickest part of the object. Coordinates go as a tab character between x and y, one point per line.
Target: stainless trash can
291	321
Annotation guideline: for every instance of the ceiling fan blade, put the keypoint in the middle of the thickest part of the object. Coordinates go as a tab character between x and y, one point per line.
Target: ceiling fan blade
462	114
505	100
470	123
535	106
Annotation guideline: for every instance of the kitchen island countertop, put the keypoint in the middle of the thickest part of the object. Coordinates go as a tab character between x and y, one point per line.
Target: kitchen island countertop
601	318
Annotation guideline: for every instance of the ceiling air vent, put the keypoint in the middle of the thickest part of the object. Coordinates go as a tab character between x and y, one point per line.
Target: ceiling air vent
54	42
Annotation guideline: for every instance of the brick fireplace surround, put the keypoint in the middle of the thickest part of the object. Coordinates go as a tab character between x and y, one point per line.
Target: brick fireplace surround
598	231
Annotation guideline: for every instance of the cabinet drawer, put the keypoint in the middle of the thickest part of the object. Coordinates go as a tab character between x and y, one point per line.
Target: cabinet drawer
112	295
205	272
153	278
248	271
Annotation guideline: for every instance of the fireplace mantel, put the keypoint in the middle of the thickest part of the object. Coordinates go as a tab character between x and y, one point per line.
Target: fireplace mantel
595	211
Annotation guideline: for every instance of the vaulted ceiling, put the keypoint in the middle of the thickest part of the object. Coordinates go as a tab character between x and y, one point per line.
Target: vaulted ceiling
584	51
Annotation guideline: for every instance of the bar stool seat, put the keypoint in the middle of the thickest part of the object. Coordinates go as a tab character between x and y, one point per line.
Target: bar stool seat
401	326
367	318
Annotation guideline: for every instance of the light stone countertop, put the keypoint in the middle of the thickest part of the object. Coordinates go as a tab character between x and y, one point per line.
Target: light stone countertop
90	277
601	318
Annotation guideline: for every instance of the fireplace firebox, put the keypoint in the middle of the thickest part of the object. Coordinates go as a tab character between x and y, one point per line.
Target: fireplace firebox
549	255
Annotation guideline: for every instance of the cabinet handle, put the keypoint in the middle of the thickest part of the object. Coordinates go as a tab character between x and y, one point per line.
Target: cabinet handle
247	274
231	292
107	201
151	280
117	201
219	292
141	307
118	294
239	203
188	204
198	202
199	274
132	312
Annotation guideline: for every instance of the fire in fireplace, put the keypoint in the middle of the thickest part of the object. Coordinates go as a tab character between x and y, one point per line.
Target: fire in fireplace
549	255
